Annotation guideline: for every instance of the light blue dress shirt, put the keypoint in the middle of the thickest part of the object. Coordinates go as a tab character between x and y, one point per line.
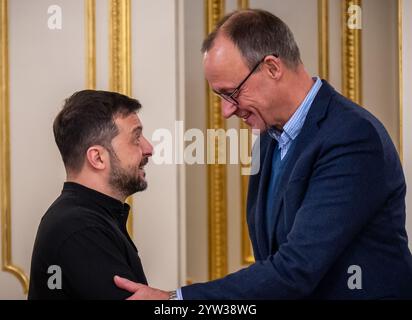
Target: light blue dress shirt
293	127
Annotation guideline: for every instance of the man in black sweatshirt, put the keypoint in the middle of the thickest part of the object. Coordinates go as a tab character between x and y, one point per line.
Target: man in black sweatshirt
82	241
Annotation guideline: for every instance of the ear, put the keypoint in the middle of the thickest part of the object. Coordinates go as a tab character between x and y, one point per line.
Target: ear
274	67
97	157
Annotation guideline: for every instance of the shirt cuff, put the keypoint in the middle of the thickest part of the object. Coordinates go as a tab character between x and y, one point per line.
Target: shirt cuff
179	295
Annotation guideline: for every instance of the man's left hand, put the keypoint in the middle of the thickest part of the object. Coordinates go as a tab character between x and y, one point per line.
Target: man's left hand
140	291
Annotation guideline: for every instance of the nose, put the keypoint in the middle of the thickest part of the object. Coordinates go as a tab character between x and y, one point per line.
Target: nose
147	148
228	109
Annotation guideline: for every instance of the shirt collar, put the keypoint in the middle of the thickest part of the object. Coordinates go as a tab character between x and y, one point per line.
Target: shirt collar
116	209
294	125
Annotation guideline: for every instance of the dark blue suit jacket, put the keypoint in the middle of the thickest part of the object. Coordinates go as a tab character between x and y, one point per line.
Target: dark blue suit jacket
340	203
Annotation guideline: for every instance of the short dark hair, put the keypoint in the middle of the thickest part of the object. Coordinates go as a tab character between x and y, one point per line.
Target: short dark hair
87	119
257	33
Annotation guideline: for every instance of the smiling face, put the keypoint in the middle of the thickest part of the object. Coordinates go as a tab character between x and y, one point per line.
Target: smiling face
225	69
131	152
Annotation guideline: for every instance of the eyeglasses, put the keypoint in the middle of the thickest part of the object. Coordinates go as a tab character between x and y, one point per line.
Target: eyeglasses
231	97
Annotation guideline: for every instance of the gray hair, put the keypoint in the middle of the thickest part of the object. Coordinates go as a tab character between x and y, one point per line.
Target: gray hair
257	33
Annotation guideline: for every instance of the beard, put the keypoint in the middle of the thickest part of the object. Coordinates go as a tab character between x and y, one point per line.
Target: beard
126	182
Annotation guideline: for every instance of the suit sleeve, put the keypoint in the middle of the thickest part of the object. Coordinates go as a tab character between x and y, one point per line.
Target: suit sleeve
89	259
344	191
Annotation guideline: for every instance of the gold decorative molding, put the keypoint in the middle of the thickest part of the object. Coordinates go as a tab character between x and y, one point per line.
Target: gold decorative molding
323	29
351	55
90	7
217	176
243	4
400	73
5	187
120	59
120	46
247	252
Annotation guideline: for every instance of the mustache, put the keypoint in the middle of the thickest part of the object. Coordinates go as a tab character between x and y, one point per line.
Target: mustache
144	162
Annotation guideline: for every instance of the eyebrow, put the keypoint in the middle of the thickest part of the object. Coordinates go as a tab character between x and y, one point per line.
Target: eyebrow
137	130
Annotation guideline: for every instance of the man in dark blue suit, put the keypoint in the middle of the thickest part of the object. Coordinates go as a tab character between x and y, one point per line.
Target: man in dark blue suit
326	212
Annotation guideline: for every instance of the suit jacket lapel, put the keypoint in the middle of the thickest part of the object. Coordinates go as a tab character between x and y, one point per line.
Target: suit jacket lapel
258	183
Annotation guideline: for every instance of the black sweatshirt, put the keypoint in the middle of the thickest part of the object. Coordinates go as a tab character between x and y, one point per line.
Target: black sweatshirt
80	245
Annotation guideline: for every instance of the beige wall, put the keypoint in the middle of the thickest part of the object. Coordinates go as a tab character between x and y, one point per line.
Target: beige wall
407	110
380	63
102	43
335	44
195	117
46	66
157	83
172	234
301	17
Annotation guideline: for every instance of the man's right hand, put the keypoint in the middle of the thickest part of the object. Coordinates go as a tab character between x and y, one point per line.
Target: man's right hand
140	291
